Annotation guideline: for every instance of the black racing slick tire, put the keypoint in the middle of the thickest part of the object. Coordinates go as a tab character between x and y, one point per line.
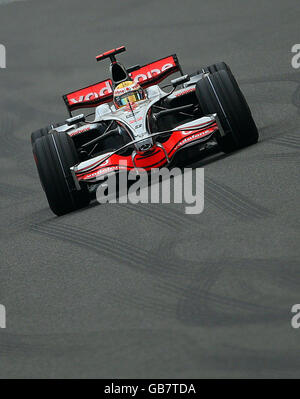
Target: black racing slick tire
42	132
218	93
222	66
54	154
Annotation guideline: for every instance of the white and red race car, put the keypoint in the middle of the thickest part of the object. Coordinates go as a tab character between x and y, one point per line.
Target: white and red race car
165	128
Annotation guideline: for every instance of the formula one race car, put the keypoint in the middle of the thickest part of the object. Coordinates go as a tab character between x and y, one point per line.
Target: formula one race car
138	125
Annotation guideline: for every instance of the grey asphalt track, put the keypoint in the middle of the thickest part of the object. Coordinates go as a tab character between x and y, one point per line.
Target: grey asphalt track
146	291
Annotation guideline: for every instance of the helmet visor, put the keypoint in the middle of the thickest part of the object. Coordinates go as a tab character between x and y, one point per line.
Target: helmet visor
131	97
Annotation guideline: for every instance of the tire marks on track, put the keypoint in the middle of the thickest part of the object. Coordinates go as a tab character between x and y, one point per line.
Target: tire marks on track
220	195
196	299
207	306
232	202
161	214
152	261
151	304
282	157
172	290
290	141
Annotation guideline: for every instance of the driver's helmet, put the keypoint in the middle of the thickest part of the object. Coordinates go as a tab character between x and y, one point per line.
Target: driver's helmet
128	92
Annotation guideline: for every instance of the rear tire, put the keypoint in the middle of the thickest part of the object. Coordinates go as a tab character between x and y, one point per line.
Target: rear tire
219	93
54	154
42	132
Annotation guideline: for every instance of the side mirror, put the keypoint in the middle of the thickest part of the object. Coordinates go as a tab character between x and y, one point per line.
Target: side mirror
75	119
180	80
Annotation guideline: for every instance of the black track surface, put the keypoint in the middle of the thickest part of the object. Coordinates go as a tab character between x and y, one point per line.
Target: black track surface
147	291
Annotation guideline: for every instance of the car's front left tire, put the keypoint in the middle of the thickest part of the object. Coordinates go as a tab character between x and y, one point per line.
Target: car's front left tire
42	132
54	154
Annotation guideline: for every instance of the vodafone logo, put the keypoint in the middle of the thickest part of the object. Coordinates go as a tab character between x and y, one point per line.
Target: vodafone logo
141	77
104	171
194	136
79	131
104	89
183	92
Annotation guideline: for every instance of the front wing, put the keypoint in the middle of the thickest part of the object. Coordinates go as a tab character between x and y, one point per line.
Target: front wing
94	169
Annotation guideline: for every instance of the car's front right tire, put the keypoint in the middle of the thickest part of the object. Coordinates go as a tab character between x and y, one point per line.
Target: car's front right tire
219	93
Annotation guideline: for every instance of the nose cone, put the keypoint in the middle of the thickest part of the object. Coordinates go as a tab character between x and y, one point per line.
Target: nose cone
144	145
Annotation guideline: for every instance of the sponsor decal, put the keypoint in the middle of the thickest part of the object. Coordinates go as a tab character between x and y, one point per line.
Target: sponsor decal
75	132
107	170
183	92
102	89
134	121
149	71
192	137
